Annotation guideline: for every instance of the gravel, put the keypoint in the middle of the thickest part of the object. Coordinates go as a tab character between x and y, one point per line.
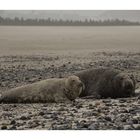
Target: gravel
82	114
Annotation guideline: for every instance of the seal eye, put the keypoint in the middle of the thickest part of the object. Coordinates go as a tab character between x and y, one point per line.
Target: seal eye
121	78
73	80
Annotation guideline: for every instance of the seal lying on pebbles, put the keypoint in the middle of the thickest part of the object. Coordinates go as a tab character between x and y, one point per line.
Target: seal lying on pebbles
50	90
104	82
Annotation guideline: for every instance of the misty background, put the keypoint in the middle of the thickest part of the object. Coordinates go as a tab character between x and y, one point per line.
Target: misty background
38	39
130	15
69	17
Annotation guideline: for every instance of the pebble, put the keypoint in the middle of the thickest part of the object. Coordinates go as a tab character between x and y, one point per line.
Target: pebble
127	127
4	127
92	126
137	110
23	118
108	118
79	106
108	104
135	119
136	126
41	113
61	127
13	127
7	114
106	100
122	100
89	113
74	110
97	103
62	109
83	124
13	122
33	125
104	113
91	106
123	110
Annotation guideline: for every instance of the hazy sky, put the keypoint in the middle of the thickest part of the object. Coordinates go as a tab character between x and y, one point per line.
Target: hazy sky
132	15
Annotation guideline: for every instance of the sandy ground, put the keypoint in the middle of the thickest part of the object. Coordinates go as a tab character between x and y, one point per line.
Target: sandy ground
30	54
38	40
83	113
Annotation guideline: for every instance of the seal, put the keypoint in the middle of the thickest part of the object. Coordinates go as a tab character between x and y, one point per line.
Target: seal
105	82
49	90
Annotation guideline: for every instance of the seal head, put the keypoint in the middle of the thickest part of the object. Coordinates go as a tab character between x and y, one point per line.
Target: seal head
74	87
124	83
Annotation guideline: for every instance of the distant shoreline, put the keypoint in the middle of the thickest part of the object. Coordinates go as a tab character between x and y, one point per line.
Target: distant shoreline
73	25
60	22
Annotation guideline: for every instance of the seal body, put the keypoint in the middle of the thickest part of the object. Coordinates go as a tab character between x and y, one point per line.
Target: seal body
104	83
49	90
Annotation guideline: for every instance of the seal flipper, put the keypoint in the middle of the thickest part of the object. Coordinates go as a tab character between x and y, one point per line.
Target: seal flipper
137	92
92	96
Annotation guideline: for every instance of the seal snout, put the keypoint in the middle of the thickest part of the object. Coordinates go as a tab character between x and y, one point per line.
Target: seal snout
128	86
80	84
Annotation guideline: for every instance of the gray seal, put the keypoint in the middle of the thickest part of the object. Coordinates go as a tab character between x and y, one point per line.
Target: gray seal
49	90
105	82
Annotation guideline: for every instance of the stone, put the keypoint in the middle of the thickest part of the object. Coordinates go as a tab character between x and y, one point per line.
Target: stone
13	122
127	127
4	127
23	118
108	118
93	126
136	126
41	113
